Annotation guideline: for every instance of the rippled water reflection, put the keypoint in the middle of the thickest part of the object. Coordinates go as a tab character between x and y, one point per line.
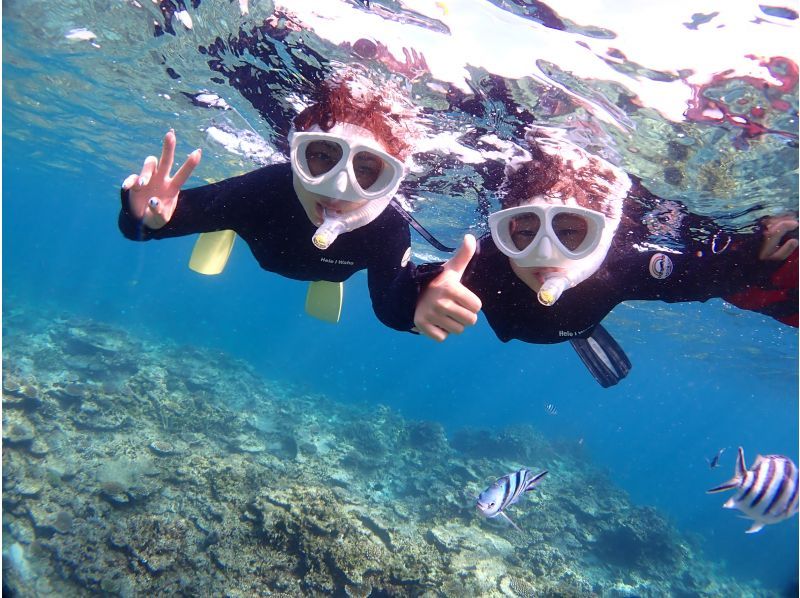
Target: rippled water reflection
700	100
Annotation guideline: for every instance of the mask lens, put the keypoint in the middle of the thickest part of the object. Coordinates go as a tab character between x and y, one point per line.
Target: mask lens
367	168
523	230
322	156
570	229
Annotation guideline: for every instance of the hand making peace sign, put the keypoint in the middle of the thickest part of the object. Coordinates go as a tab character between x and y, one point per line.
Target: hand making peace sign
153	193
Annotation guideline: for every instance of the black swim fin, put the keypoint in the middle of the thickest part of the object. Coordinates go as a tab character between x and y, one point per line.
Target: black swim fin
602	356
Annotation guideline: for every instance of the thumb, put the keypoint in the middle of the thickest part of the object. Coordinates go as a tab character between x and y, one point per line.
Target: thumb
459	262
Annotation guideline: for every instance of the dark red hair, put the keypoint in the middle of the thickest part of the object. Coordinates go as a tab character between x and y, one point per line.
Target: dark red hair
336	104
546	174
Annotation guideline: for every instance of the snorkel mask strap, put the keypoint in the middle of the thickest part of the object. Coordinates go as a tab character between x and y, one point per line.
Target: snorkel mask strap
423	232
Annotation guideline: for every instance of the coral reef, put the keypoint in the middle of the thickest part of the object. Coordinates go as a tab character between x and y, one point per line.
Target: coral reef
136	467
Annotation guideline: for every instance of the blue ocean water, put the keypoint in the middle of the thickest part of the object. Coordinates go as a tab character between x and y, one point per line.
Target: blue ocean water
705	376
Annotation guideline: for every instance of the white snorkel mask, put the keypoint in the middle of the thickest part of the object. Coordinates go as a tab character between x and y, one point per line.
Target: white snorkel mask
557	232
348	164
544	235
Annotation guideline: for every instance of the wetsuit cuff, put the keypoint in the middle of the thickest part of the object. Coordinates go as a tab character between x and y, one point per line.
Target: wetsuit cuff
124	196
425	273
131	227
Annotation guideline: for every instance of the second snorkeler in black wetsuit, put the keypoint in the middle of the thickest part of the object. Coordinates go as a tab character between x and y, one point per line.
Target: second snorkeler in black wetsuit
576	237
348	154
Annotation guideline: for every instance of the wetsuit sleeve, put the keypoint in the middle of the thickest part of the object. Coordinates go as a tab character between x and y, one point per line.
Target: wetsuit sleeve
390	275
394	281
397	308
718	265
226	205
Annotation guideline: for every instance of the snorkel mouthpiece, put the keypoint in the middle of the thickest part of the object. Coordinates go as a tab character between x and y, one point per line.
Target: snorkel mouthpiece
327	233
336	224
551	290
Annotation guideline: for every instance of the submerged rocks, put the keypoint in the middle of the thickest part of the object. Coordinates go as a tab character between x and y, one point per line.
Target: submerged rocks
91	415
205	480
163	448
17	432
520	443
155	544
424	436
248	444
71	393
115	493
20	395
62	522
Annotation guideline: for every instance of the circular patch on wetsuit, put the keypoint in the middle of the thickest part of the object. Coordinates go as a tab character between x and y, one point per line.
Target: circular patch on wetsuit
406	257
660	266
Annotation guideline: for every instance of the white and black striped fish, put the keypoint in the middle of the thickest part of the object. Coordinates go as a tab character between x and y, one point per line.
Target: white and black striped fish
766	493
506	491
550	409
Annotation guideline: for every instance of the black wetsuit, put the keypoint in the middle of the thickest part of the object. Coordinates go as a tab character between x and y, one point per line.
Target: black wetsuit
705	262
263	209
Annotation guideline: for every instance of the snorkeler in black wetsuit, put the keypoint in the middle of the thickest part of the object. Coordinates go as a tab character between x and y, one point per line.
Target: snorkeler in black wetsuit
347	157
577	236
632	270
261	207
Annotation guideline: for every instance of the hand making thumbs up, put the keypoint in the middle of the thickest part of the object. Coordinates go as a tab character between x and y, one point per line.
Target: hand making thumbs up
446	306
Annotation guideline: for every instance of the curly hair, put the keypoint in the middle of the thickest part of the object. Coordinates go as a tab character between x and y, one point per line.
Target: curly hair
552	175
338	104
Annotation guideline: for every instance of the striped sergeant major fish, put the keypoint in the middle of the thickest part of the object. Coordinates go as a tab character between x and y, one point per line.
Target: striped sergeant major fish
766	493
506	491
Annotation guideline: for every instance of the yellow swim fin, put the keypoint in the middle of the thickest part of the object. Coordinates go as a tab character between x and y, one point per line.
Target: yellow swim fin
324	300
211	252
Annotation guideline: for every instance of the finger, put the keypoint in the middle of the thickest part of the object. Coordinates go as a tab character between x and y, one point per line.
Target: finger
185	171
785	250
156	208
465	298
167	154
432	332
446	310
129	182
781	227
772	238
448	325
149	166
459	262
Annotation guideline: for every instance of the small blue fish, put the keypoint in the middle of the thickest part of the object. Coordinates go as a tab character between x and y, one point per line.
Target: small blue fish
766	493
551	409
505	492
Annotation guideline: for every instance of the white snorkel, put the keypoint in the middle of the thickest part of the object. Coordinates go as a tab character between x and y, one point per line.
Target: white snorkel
336	224
577	270
552	288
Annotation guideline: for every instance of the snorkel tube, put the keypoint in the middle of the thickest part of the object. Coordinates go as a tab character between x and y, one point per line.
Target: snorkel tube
334	225
577	270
